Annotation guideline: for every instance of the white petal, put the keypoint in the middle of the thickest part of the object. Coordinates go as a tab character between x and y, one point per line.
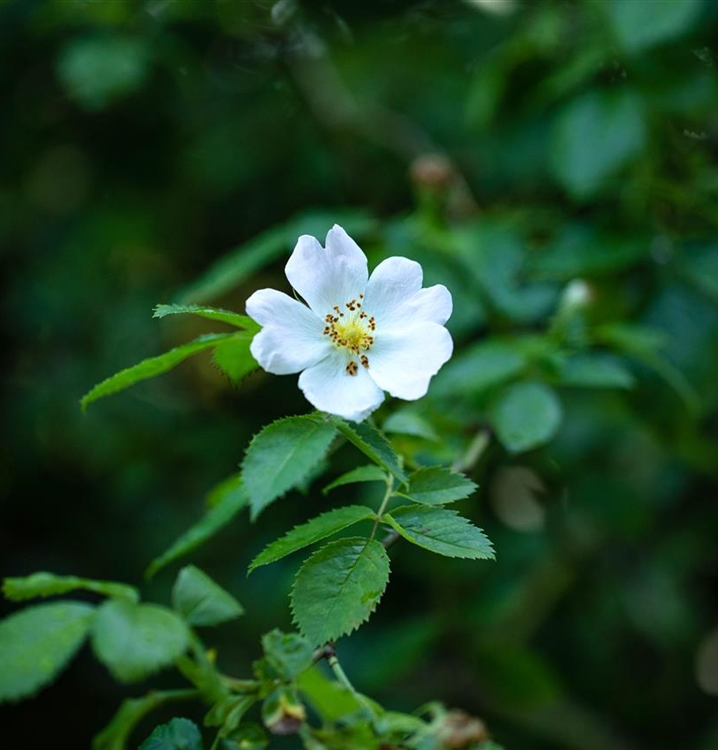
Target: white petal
291	339
330	388
403	360
329	276
393	282
433	305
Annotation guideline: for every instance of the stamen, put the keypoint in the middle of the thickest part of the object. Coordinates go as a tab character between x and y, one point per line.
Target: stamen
351	331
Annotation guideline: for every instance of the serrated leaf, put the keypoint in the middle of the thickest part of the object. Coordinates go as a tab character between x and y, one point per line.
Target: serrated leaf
226	500
177	734
210	313
234	358
372	444
135	640
338	587
37	643
149	368
436	485
310	532
371	473
281	456
201	601
440	530
289	654
526	415
48	584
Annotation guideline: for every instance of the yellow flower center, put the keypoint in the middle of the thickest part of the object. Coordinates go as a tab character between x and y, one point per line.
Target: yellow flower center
351	329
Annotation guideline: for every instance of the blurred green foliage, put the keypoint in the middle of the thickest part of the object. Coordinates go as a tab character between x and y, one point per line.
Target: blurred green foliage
552	163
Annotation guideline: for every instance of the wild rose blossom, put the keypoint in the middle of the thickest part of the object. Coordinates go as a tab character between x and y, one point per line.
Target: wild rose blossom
357	336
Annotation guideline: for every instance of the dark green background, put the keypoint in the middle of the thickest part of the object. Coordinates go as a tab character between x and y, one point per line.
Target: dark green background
141	141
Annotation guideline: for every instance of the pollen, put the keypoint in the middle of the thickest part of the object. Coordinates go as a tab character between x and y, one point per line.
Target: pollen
353	331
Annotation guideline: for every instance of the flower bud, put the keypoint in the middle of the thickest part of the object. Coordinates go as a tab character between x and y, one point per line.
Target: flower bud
282	712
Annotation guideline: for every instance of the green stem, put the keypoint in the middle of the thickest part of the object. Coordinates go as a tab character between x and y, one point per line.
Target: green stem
384	503
342	678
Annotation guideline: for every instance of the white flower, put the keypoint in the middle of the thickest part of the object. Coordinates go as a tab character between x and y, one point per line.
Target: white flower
359	336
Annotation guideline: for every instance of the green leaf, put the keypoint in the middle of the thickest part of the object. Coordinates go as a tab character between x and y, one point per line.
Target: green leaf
115	735
135	640
406	422
234	358
37	643
226	501
338	587
526	415
201	601
177	734
440	530
151	367
48	584
478	368
612	123
228	712
210	313
372	444
281	456
332	701
640	25
595	371
310	532
289	654
435	485
371	473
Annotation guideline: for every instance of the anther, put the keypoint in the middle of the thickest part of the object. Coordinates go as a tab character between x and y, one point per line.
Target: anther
352	368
